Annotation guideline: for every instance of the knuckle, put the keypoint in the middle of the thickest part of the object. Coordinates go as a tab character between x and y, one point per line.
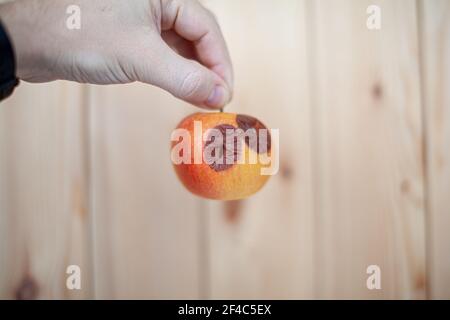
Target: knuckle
191	84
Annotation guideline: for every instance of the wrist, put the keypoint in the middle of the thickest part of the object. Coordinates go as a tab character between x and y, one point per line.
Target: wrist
8	79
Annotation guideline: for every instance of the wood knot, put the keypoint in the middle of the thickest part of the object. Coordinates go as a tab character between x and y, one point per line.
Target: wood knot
420	281
377	91
405	186
28	289
233	211
286	172
79	202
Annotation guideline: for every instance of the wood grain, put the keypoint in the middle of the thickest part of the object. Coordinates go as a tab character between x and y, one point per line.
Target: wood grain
86	178
369	185
262	247
147	236
435	40
43	218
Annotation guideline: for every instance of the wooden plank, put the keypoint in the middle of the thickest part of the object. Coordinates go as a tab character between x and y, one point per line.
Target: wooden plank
350	192
147	227
435	41
262	247
369	183
43	217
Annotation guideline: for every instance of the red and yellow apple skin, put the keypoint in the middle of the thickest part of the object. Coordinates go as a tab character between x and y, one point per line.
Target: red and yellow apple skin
236	181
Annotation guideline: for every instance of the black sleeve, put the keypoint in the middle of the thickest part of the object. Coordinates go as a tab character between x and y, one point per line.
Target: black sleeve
8	79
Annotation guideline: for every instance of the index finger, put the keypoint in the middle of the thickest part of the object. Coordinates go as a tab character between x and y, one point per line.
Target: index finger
195	23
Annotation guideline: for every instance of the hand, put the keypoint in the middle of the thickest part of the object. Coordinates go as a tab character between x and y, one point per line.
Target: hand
176	45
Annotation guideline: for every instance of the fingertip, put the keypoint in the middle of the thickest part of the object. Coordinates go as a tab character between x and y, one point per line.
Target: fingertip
218	98
225	72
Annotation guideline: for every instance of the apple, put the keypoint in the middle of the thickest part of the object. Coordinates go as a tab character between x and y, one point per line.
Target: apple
227	168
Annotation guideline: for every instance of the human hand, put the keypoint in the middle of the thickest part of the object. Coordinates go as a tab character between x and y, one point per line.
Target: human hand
176	45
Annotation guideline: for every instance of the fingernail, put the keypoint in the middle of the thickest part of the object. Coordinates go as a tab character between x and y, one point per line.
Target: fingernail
217	97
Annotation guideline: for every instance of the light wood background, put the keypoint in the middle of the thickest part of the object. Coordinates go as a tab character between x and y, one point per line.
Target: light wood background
364	119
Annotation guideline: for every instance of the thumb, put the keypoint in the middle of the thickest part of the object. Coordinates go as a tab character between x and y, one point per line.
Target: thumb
185	79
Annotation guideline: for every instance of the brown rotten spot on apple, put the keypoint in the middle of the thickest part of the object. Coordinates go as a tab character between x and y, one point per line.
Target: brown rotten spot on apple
248	123
228	151
229	148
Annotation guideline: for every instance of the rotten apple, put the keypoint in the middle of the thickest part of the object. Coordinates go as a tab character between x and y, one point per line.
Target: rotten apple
222	156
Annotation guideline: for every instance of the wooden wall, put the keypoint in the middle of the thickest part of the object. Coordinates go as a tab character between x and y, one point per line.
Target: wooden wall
364	119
